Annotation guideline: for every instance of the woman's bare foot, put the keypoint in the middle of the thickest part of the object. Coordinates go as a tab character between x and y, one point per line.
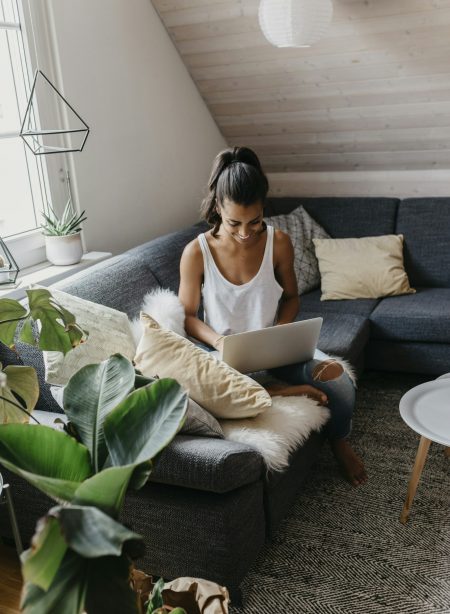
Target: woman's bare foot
351	464
285	390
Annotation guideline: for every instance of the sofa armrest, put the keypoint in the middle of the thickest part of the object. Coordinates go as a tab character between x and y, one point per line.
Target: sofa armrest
204	463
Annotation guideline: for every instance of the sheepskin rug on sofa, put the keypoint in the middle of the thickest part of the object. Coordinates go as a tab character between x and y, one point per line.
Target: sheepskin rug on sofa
279	430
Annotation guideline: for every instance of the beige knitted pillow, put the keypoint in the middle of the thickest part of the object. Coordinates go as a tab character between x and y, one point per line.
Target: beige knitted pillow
213	384
370	267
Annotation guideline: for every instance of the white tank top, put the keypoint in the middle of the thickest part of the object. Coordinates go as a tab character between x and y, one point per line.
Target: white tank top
231	308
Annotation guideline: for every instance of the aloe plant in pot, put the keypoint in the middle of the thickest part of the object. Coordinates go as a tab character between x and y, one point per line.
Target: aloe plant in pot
63	235
80	560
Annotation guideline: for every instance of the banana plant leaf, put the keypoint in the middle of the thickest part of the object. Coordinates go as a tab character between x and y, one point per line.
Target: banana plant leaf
145	422
90	532
59	331
49	459
85	585
41	562
90	396
106	489
11	313
21	381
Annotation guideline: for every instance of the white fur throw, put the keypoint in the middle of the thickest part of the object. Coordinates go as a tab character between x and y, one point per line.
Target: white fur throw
279	430
165	307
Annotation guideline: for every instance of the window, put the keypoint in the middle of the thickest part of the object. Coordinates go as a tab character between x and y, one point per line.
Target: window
24	188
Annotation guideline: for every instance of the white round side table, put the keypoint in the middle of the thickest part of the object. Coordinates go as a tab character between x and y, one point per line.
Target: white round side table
426	409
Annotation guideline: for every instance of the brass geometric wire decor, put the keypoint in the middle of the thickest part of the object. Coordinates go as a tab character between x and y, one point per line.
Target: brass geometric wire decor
50	140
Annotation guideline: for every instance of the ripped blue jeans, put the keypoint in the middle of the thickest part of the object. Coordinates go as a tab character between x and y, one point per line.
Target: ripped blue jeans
339	390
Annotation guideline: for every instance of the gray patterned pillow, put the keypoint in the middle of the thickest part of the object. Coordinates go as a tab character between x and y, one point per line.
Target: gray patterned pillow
200	422
302	229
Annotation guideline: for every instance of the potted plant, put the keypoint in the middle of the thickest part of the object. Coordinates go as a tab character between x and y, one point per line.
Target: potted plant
63	235
80	560
81	555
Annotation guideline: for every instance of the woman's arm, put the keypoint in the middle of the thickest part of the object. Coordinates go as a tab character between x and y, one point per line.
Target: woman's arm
285	275
189	293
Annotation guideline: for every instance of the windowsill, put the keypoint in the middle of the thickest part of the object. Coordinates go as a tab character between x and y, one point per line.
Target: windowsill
46	274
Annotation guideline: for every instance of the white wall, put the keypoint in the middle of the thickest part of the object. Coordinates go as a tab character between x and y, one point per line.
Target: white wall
147	160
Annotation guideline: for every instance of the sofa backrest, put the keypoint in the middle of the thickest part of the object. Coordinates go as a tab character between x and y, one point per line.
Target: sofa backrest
162	255
425	224
118	282
344	217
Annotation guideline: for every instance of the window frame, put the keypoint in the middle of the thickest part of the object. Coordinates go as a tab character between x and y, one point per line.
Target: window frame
28	246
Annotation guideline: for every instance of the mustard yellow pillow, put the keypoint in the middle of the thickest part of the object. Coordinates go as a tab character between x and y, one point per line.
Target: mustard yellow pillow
221	390
370	267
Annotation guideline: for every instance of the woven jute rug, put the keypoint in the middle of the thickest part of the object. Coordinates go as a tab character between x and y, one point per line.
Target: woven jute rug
342	550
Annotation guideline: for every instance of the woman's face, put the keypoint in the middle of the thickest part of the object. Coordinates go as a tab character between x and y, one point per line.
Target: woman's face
242	223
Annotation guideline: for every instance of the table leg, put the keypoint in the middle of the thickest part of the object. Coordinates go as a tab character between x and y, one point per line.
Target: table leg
415	477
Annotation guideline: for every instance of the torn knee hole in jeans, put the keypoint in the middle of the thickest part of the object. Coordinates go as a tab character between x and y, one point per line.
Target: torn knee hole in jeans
327	371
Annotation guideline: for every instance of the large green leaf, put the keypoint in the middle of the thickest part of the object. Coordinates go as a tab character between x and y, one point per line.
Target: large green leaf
11	313
106	489
49	459
89	397
41	562
96	586
59	332
22	381
145	422
66	594
90	532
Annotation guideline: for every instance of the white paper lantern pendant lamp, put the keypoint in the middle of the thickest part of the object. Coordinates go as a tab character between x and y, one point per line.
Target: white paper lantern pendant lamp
294	23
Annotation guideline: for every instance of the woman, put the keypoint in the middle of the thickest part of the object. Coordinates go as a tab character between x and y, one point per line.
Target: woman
243	269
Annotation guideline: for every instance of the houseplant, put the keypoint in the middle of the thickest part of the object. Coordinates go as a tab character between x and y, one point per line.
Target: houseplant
80	560
63	235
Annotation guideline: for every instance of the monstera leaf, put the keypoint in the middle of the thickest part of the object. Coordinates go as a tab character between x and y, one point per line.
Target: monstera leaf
49	459
11	313
58	330
20	389
90	396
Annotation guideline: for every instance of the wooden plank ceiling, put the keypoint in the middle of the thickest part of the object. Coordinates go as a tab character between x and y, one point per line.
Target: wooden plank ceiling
374	94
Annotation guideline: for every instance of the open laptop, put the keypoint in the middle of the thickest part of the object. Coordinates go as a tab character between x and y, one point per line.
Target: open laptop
272	347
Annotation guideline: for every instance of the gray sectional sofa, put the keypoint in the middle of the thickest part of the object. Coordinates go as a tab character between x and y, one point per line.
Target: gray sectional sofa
210	504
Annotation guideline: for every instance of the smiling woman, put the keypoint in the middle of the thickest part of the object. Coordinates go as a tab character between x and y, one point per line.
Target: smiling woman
243	269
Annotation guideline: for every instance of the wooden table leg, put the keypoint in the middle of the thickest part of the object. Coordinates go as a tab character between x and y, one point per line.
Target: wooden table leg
415	477
447	452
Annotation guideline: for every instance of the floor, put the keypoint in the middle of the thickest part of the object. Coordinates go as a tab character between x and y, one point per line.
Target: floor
10	581
342	550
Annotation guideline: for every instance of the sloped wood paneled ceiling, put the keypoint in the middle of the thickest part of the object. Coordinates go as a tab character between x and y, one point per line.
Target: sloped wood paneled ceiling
373	94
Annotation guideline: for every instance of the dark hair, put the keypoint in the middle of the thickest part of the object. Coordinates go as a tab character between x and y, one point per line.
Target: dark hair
238	176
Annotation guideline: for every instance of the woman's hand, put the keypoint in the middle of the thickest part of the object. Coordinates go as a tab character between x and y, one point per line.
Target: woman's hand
286	390
218	343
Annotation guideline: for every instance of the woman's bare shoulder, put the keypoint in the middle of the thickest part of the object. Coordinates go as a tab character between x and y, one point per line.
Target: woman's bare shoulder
192	254
281	240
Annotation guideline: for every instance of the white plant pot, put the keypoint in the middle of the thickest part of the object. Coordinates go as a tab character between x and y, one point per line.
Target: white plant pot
64	250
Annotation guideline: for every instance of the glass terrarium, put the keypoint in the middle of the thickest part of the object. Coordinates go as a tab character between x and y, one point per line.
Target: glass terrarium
8	266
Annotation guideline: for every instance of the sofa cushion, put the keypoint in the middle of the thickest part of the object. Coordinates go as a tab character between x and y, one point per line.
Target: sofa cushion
163	255
120	282
344	217
33	357
359	306
424	316
408	356
203	463
343	335
425	225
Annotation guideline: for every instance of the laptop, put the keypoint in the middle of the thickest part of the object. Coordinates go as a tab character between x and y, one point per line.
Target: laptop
272	347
